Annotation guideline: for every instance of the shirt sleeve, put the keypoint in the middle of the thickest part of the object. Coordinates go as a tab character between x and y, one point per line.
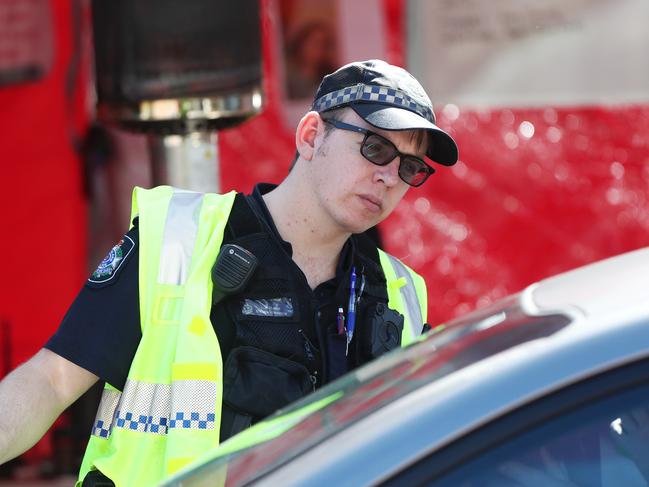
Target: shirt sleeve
101	330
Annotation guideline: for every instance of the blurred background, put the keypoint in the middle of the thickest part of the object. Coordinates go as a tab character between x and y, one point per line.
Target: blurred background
548	102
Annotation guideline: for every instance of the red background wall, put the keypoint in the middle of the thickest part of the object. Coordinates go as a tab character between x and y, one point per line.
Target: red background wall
44	229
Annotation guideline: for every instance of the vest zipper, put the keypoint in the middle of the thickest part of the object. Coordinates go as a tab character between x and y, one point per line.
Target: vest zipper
308	349
308	346
320	334
314	379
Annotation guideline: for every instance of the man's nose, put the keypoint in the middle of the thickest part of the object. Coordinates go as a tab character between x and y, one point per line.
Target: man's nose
388	174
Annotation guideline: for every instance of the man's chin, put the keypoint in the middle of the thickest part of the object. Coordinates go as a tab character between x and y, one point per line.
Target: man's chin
360	223
362	229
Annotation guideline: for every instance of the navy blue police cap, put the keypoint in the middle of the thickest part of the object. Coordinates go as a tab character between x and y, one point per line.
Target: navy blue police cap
387	97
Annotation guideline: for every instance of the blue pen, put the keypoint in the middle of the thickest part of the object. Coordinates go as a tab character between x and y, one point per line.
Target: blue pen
351	309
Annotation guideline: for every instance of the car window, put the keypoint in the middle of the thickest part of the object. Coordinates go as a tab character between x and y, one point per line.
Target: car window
603	443
488	331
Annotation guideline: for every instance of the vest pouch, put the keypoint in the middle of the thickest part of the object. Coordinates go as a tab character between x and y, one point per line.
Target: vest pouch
257	383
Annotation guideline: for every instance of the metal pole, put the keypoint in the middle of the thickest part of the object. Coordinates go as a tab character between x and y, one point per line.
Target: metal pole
187	161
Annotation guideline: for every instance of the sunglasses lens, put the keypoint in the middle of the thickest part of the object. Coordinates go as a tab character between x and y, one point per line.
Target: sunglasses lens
414	171
378	150
381	151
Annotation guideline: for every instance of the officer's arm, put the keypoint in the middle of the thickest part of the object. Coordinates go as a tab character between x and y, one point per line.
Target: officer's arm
33	396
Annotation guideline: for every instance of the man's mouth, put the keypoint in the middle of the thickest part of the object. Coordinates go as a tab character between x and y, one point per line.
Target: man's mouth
371	202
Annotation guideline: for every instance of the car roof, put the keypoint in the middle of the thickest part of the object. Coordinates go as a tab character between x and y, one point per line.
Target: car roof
596	317
610	284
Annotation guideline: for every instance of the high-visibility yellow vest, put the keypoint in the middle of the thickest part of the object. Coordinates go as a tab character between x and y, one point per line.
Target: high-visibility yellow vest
169	412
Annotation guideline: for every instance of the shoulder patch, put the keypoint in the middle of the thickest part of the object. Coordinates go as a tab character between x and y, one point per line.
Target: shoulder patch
116	257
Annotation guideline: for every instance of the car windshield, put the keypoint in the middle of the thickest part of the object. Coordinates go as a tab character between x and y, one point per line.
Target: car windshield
445	349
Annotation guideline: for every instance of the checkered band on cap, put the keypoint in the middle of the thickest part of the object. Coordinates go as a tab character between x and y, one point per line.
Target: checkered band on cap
371	93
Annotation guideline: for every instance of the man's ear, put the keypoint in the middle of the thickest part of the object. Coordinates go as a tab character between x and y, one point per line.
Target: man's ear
306	134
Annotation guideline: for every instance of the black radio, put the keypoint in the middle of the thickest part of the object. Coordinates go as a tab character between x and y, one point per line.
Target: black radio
381	331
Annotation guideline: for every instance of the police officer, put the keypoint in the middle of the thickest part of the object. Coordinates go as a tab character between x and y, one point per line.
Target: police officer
214	311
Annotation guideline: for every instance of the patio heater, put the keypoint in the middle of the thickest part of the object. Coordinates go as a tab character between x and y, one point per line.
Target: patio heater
178	72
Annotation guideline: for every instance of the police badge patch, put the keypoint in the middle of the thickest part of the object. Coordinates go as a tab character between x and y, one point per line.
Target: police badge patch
268	308
108	267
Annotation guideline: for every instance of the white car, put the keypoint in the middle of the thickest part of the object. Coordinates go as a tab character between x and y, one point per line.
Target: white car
549	387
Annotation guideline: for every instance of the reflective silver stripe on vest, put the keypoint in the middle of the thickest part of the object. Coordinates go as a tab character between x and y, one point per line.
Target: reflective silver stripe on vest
409	296
154	408
144	407
193	404
106	413
179	237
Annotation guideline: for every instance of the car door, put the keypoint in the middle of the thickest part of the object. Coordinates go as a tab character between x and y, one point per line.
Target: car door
592	433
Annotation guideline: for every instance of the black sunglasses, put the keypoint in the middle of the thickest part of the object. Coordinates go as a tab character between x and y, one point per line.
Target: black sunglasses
380	151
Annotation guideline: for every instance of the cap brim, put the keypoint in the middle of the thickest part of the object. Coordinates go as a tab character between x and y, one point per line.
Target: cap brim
442	150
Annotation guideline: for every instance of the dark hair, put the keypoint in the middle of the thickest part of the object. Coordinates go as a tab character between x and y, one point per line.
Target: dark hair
335	114
421	138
